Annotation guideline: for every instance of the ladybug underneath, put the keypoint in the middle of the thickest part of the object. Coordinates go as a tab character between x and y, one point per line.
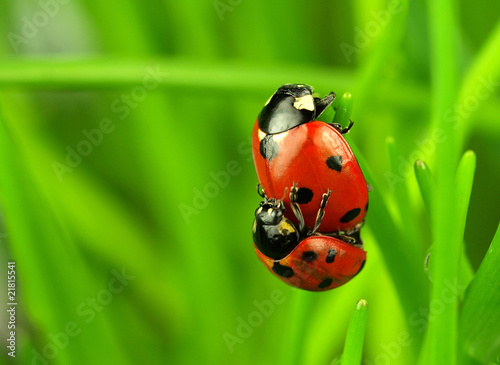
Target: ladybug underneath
290	146
299	256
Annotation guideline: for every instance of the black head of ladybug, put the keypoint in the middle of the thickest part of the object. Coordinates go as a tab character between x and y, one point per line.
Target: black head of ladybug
270	212
290	106
273	234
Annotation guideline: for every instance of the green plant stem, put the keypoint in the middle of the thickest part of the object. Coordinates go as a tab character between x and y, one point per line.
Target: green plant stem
353	348
105	73
447	246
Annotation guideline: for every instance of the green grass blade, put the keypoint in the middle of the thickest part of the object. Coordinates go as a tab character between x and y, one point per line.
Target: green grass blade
426	183
405	264
480	315
465	178
447	248
402	197
464	186
481	81
353	349
344	110
388	41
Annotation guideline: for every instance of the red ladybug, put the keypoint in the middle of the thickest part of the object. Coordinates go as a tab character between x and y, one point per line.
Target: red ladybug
304	260
291	147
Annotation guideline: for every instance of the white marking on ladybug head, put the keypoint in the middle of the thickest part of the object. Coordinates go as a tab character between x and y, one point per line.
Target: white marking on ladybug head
261	134
304	102
269	211
278	137
254	228
259	210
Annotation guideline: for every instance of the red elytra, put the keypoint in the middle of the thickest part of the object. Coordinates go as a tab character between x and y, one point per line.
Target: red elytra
318	263
316	157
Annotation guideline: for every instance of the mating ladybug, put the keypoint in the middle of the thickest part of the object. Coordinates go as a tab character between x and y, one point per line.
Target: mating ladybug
290	146
299	256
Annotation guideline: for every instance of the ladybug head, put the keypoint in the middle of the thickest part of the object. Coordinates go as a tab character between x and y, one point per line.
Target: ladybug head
290	106
273	234
270	212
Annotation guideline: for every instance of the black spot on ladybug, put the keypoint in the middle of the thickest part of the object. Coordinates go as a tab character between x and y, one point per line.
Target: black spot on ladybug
304	195
361	267
334	163
350	215
309	256
283	271
331	256
268	147
325	283
366	207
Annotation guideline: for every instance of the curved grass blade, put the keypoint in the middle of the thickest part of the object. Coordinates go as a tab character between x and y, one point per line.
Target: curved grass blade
480	315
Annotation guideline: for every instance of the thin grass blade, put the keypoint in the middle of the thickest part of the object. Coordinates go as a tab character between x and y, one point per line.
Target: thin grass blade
353	349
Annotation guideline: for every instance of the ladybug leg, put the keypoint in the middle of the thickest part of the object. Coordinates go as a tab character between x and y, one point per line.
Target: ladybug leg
261	192
341	130
322	104
295	207
321	211
348	128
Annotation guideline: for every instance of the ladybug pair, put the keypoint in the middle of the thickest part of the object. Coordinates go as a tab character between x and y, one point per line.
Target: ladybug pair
315	198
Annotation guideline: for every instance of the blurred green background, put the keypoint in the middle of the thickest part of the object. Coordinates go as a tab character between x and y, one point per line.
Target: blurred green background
128	188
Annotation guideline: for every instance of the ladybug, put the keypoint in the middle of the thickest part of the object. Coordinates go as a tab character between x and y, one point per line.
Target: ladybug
302	258
290	146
